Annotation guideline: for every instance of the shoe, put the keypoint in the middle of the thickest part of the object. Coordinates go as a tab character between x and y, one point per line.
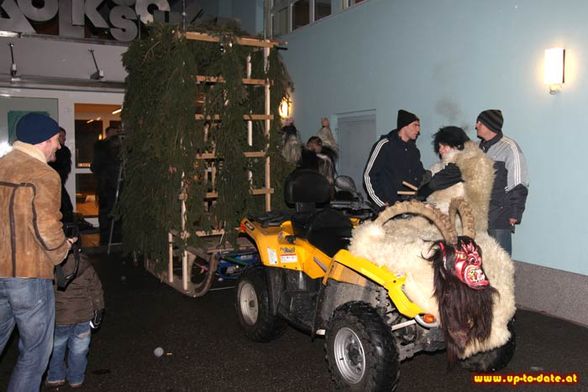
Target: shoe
54	384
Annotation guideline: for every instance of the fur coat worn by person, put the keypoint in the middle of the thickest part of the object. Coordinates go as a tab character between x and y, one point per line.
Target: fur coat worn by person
291	145
400	244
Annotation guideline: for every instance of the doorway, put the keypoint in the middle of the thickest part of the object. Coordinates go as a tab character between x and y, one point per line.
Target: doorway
356	133
91	121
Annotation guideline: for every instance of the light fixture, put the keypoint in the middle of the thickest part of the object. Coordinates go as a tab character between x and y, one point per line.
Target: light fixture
554	69
13	72
93	119
285	108
117	111
99	74
8	34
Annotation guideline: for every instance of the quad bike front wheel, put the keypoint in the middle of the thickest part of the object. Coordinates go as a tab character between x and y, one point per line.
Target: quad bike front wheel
361	350
253	307
493	360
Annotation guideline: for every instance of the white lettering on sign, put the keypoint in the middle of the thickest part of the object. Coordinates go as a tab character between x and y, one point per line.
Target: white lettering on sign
121	20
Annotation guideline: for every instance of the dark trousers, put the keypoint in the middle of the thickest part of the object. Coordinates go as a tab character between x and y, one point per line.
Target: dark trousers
503	237
106	202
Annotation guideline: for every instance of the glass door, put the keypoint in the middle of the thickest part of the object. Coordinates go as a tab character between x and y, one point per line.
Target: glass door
91	122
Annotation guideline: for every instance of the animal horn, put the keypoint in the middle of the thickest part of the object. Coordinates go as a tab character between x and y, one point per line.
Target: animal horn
418	208
461	207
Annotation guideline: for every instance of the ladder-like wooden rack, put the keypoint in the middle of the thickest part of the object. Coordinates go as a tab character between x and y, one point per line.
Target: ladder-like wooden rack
214	238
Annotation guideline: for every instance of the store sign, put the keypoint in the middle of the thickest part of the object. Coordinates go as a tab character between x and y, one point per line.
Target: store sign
121	19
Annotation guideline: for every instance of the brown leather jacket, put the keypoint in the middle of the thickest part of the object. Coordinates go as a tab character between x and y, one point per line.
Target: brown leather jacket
32	241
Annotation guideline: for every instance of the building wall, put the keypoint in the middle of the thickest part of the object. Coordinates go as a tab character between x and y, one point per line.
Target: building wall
67	59
447	60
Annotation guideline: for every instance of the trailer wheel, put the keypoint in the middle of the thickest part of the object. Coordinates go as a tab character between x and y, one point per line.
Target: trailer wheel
361	350
493	360
203	273
253	307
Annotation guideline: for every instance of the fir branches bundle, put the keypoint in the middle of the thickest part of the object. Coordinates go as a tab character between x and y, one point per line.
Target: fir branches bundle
164	137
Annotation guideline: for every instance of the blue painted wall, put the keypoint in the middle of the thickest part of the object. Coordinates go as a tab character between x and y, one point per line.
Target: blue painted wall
447	60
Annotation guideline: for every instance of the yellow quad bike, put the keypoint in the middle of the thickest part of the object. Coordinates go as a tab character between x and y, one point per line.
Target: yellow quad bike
307	278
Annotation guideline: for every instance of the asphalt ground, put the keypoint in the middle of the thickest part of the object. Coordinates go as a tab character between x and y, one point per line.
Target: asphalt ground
205	350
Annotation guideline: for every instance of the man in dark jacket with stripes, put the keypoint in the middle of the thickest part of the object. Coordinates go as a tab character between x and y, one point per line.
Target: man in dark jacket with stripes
510	188
393	159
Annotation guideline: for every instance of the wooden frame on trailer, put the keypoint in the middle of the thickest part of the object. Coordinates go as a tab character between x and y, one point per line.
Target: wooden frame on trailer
214	239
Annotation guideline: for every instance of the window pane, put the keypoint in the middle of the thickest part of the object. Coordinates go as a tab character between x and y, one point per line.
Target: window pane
280	22
301	14
322	8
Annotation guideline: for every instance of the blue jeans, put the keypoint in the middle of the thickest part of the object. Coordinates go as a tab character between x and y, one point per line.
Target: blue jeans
75	340
30	305
503	237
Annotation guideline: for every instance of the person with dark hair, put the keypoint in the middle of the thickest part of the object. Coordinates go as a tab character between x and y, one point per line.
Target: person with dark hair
447	141
394	159
30	194
511	183
106	168
62	165
312	157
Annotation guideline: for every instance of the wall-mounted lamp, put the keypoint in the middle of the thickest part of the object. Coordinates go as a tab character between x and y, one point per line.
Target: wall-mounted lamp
554	69
117	111
99	74
13	72
8	34
285	109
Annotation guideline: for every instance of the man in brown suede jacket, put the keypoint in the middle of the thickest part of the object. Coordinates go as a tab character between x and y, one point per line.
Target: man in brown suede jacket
32	242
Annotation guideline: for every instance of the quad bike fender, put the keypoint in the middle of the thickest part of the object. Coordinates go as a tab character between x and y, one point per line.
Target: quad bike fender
279	248
380	275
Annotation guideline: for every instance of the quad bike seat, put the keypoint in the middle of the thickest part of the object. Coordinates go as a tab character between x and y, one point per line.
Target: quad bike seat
324	227
271	218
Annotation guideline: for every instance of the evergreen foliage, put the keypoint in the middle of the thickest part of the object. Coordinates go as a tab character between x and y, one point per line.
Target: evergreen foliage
163	137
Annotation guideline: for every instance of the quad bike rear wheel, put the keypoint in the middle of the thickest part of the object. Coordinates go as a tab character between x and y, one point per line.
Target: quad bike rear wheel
493	360
361	350
253	307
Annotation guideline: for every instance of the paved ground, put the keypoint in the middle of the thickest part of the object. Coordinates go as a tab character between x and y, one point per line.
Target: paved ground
206	351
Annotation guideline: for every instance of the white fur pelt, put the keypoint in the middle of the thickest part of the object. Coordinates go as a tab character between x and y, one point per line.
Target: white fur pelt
477	172
400	244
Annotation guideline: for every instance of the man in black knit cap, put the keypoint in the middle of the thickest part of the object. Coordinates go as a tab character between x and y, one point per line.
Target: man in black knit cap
510	189
393	159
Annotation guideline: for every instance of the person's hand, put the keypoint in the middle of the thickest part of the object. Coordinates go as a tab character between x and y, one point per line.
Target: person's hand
97	319
72	240
513	221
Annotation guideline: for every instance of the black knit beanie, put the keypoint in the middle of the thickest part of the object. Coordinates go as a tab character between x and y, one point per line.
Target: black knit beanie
405	118
34	128
492	118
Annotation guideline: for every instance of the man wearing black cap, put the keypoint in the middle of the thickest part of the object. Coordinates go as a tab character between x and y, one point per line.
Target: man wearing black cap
393	159
32	243
510	188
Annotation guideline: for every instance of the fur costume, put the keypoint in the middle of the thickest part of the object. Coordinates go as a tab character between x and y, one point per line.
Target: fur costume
401	243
